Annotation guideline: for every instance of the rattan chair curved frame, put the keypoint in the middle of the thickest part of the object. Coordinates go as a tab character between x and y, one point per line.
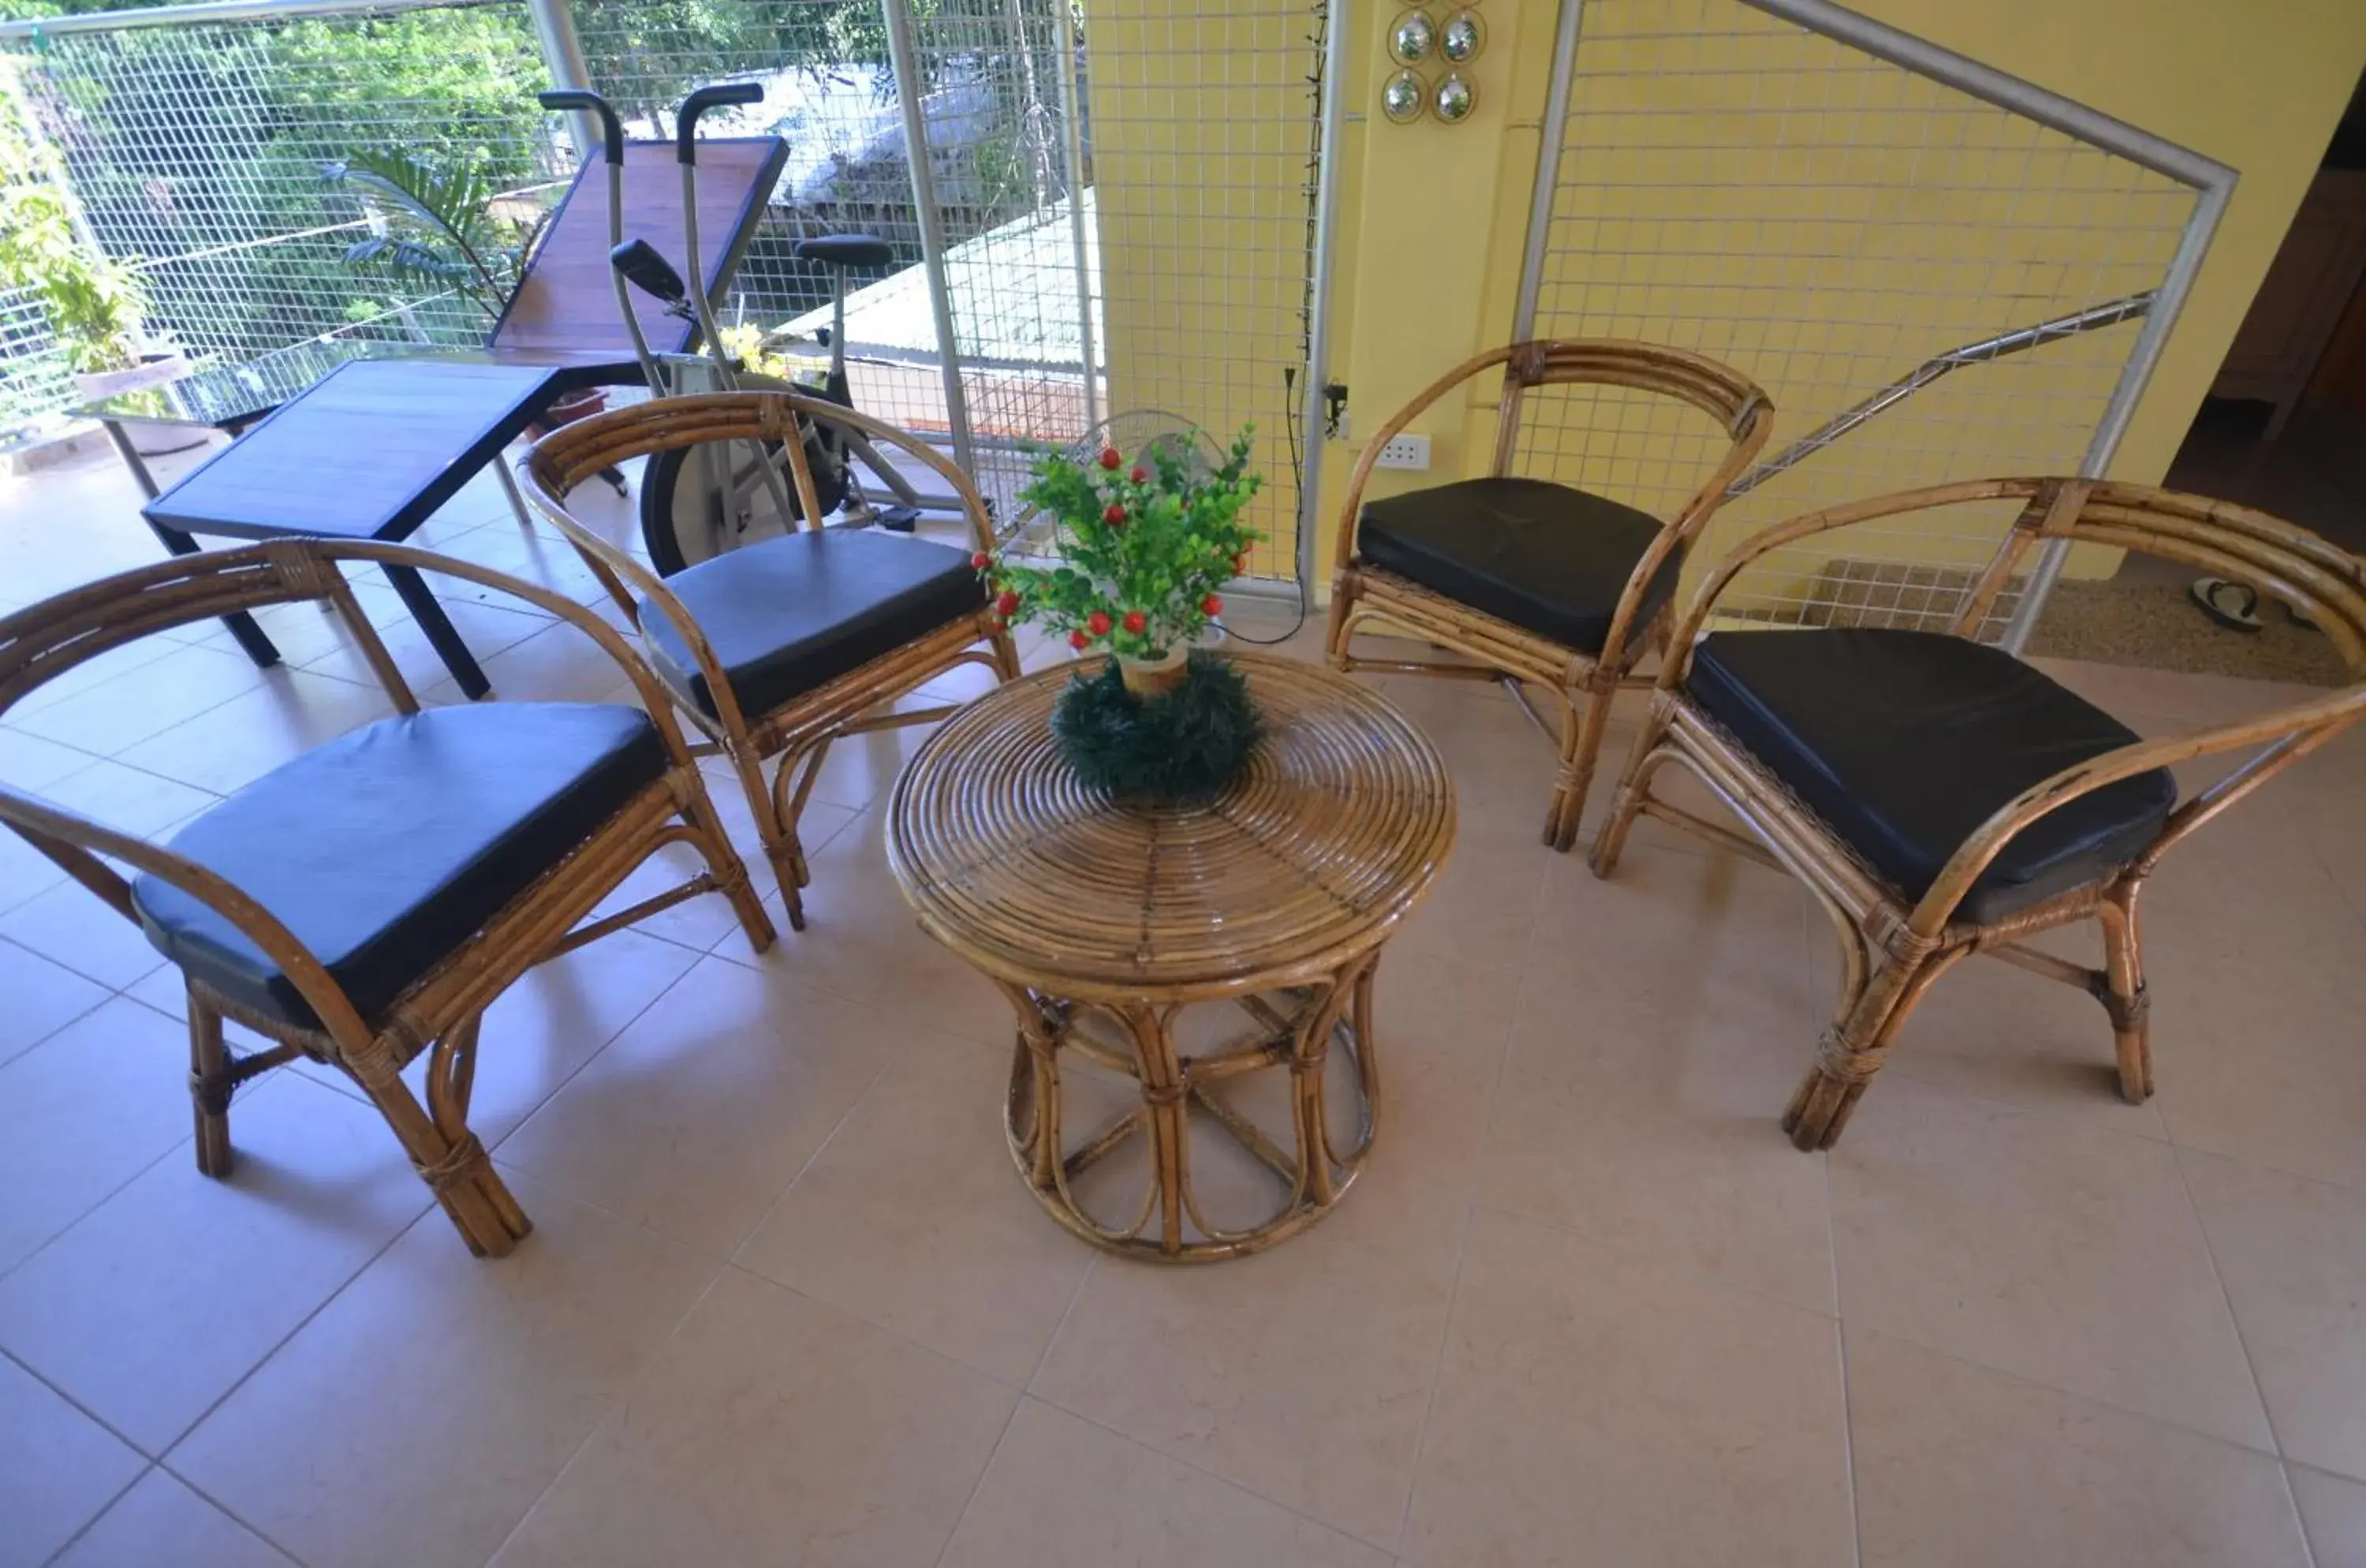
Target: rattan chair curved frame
1365	597
1893	948
798	732
443	1010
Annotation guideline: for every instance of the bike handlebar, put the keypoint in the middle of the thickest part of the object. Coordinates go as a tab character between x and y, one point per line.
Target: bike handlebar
566	99
685	118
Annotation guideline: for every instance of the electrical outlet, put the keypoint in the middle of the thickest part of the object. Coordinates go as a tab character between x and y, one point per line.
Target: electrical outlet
1406	451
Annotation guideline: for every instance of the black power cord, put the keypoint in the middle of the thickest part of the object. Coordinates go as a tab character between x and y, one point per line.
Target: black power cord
1297	495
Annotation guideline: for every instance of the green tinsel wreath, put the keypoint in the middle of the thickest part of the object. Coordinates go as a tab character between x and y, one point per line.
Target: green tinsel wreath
1180	747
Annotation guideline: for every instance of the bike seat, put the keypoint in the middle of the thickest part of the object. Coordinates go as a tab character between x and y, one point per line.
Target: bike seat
845	250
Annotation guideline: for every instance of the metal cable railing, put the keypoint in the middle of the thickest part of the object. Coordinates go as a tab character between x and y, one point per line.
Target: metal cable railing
2105	315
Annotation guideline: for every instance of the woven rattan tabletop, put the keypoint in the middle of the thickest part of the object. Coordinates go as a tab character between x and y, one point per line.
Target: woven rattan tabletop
1342	819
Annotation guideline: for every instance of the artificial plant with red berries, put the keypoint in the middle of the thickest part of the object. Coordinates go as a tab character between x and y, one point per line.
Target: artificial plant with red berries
1144	546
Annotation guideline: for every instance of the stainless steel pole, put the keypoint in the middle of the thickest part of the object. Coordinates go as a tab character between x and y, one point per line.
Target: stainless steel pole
562	52
1071	107
2134	377
903	57
1540	199
1336	22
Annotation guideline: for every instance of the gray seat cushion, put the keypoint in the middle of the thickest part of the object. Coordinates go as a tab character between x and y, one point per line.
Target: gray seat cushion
1905	742
792	613
1546	557
385	850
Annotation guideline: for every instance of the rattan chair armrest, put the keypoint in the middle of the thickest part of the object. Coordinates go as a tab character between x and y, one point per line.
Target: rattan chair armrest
1806	524
1757	420
74	842
2285	735
652	692
567	456
1344	550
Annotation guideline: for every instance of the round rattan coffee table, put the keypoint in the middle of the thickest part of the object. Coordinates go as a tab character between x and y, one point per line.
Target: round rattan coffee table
1101	922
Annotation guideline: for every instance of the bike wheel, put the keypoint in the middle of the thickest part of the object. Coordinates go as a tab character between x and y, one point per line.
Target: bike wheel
686	520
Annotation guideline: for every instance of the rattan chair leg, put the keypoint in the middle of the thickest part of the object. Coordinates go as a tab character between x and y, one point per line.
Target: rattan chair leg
730	871
1853	1049
793	773
2123	995
1580	744
209	1088
1634	789
1006	654
781	848
1343	606
456	1167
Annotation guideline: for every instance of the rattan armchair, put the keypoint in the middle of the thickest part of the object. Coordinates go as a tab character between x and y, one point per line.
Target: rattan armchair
1938	796
1532	581
778	648
370	899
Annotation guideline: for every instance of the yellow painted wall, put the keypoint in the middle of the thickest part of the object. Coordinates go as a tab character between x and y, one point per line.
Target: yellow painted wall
1201	120
1434	216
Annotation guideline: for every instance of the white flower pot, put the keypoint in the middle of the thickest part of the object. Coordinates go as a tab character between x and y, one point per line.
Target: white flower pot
1154	677
153	370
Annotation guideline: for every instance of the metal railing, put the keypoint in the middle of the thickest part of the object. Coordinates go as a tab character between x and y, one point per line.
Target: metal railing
1824	201
964	132
1923	375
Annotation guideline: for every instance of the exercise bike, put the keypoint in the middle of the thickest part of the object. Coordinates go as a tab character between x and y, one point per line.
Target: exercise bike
697	501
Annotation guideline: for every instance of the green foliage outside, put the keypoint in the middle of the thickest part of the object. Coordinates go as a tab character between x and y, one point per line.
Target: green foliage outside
184	146
93	305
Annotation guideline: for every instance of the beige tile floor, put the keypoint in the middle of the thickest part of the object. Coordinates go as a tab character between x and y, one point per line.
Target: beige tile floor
785	1302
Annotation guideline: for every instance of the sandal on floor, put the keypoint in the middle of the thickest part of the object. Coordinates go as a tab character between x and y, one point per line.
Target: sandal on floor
2235	605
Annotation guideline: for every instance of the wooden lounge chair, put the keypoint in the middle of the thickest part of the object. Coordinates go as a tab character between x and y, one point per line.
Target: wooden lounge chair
403	435
368	900
1529	580
1940	797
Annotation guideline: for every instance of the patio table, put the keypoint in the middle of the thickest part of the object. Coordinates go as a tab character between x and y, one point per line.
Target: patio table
227	397
1102	921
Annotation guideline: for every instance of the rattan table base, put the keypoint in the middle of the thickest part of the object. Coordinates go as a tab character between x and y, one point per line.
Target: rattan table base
1103	923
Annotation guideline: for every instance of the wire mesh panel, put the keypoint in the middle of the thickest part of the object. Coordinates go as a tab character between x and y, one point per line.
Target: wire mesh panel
199	152
1203	156
1020	269
32	364
1858	237
831	93
1118	195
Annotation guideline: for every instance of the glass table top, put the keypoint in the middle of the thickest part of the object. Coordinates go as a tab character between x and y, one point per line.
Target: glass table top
231	394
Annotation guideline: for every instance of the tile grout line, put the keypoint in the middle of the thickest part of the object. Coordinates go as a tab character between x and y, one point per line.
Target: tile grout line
624	1392
1469	1222
1808	929
1196	1468
2242	1341
226	1512
104	1509
109	1195
1025	1393
662	992
433	1209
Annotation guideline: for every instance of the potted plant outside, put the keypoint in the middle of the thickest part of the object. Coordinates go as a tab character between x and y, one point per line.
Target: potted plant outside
1144	547
94	307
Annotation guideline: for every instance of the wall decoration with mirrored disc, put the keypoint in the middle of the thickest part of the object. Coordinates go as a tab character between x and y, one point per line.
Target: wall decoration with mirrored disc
1413	38
1456	97
1403	97
1462	37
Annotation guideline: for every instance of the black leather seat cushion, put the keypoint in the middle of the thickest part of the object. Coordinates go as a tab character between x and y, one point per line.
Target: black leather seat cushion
788	614
387	848
1546	557
845	250
1905	742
